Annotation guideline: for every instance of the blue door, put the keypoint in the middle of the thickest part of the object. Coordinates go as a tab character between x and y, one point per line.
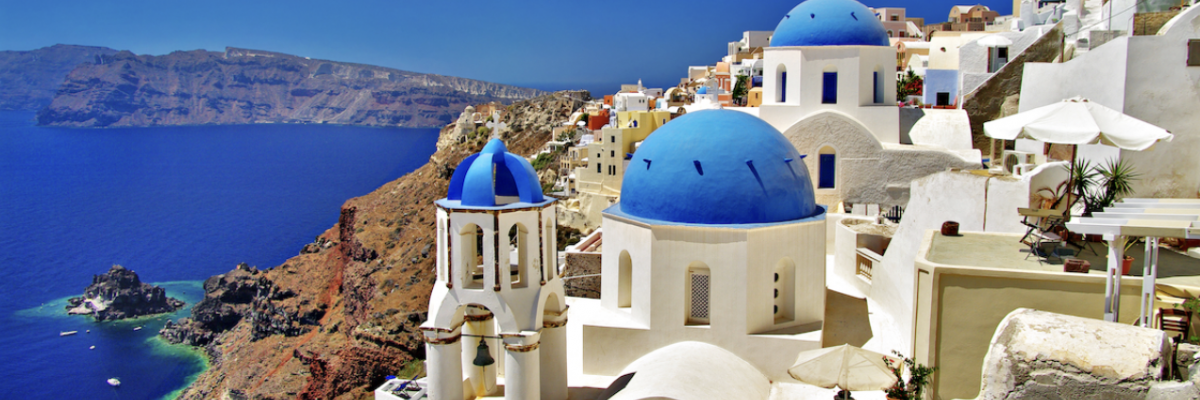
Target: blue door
829	88
827	171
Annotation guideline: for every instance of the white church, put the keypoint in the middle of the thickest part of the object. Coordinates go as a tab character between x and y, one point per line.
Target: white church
713	262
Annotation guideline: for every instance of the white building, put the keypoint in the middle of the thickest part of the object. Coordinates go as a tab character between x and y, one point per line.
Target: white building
494	292
631	102
829	84
1152	78
717	241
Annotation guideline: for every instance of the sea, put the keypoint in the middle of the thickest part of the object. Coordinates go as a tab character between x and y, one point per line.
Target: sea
174	204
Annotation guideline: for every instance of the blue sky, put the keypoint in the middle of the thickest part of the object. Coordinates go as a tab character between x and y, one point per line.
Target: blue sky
560	44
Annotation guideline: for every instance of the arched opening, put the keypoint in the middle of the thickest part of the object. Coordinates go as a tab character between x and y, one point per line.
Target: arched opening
698	294
518	257
625	281
471	256
785	291
826	168
829	86
551	249
781	84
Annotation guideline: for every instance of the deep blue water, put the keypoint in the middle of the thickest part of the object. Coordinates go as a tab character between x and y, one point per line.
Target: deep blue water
175	204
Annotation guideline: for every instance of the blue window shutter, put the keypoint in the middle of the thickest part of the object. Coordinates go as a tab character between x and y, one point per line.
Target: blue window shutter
828	171
782	87
829	88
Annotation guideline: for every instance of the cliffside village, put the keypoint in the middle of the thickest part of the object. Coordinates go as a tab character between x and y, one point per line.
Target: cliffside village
1009	200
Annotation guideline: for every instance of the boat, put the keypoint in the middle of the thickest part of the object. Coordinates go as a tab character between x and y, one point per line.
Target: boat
92	348
67	333
137	328
114	382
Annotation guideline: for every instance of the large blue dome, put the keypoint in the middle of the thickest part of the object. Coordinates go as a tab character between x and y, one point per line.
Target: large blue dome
494	177
830	23
717	167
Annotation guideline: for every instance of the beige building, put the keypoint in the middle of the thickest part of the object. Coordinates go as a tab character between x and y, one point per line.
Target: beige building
605	156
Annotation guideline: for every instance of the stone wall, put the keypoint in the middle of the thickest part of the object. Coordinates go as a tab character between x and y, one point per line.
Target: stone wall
582	275
1149	23
986	103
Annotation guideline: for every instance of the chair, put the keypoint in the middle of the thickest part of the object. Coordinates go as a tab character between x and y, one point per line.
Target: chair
1174	320
1043	227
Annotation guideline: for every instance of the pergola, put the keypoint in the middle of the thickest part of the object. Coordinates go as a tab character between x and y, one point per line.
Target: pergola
1150	218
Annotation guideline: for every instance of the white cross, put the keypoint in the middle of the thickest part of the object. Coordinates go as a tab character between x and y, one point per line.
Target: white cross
496	125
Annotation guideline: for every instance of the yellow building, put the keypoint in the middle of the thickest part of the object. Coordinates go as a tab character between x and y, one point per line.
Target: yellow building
754	97
606	156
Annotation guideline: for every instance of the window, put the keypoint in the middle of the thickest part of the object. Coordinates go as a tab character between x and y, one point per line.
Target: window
895	17
518	239
829	88
612	153
827	168
943	99
698	295
781	88
613	138
598	169
785	291
625	281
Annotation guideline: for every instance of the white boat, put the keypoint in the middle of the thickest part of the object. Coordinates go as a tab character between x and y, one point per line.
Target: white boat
114	382
92	348
137	328
67	333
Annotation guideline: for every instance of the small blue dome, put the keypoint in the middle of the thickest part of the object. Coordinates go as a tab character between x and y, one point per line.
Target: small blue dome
494	172
702	90
830	23
717	167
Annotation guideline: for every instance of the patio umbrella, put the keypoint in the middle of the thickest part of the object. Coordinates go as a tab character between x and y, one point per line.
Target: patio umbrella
995	41
1078	121
847	367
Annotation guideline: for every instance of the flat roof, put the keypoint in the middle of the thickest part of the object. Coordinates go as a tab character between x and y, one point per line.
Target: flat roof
1005	251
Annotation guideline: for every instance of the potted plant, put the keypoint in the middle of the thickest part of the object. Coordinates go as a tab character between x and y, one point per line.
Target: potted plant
918	378
1110	182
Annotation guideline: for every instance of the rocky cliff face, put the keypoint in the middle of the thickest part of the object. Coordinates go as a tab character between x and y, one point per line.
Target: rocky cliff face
29	79
336	319
241	86
119	294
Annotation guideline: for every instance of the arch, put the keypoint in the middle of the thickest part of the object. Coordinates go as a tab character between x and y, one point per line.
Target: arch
698	294
553	304
785	291
829	85
625	280
471	261
891	34
823	127
449	313
827	167
518	259
781	84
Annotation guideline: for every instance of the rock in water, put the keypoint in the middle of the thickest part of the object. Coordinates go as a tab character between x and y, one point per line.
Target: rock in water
119	294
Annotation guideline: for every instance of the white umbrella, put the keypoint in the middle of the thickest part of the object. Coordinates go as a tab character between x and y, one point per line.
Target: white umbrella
847	367
1078	121
995	41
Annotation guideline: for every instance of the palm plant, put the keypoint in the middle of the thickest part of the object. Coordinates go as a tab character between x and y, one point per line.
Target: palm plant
1110	182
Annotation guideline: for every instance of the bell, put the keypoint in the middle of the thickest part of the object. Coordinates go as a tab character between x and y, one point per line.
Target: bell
483	357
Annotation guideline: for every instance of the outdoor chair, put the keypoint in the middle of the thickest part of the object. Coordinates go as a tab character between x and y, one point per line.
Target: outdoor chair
1042	225
1174	320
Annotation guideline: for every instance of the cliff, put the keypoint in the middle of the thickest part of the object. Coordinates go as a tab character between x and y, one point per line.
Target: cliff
242	86
120	294
336	319
29	79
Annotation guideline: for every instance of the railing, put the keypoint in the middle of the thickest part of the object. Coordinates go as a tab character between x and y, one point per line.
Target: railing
865	262
894	214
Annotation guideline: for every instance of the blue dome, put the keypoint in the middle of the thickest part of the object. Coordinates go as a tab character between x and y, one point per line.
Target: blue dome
717	167
494	172
702	90
830	23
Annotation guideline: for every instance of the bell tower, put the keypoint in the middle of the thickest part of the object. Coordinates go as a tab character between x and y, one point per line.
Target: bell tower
498	286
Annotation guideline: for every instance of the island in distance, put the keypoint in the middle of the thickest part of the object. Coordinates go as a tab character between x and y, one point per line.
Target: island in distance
241	86
120	294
